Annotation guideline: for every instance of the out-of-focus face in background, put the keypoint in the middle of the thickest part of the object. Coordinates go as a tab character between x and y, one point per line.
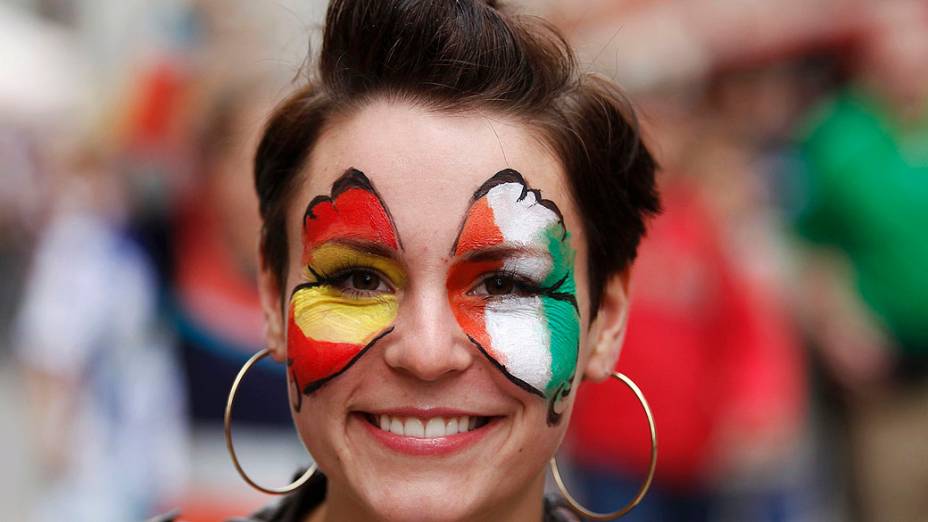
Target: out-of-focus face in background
229	150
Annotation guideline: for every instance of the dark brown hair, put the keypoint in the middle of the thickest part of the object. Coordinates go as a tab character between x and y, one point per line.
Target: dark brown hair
460	55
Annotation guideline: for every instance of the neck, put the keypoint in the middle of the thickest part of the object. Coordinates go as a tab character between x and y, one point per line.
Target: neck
526	505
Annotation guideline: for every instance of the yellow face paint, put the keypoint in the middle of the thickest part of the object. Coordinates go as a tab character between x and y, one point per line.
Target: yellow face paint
324	313
331	323
347	300
332	258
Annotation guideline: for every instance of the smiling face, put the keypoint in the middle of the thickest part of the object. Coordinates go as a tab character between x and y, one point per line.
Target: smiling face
433	317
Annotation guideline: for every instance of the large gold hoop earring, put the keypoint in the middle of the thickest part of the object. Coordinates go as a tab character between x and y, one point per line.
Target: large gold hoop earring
642	491
228	428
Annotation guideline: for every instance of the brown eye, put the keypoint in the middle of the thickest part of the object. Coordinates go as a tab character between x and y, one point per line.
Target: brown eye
499	285
363	280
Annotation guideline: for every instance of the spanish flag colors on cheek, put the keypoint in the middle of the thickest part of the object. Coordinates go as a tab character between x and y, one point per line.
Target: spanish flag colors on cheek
328	327
532	336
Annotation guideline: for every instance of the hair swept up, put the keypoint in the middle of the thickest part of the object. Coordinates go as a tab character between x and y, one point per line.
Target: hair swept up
461	55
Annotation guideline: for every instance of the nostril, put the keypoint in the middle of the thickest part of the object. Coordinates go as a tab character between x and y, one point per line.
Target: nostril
427	362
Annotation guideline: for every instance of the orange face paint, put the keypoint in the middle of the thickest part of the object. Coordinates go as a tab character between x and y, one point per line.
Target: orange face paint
532	335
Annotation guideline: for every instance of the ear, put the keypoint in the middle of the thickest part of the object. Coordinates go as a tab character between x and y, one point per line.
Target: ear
273	310
607	331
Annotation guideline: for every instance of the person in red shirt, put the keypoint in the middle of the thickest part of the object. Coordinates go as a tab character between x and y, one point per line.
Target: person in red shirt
713	352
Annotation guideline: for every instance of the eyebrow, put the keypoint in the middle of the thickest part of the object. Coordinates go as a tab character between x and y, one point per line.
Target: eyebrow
504	251
344	221
373	248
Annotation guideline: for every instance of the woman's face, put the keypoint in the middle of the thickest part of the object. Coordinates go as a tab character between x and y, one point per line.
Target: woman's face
434	312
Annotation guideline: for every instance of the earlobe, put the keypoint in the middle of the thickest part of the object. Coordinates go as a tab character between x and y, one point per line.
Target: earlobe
272	310
607	332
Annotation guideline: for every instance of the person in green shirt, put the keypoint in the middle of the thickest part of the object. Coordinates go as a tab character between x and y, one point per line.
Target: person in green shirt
864	283
866	186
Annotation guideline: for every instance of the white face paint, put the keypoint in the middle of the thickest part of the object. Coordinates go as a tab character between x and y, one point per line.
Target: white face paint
525	318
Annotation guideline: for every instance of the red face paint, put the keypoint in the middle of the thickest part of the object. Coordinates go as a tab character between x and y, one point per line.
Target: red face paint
328	330
312	359
354	211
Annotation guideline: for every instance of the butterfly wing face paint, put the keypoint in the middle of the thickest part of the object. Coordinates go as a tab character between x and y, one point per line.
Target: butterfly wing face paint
330	327
532	331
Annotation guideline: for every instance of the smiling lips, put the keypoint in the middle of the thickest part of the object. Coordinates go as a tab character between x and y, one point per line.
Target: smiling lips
426	434
427	428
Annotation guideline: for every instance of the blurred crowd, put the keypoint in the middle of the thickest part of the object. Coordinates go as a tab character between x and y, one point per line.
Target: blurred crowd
778	314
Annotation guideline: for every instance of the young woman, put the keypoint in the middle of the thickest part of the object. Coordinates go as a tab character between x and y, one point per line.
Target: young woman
450	213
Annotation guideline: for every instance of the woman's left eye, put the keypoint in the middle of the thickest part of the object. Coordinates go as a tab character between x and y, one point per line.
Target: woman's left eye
501	285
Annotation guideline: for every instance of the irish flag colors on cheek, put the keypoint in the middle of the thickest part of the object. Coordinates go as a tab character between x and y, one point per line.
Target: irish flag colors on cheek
531	329
329	327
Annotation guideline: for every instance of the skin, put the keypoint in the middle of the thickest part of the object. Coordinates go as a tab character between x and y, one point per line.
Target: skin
426	166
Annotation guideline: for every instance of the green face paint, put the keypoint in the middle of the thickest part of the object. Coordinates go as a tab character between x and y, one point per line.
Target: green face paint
561	312
529	324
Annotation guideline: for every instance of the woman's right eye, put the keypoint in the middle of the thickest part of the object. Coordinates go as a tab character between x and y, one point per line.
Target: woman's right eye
362	282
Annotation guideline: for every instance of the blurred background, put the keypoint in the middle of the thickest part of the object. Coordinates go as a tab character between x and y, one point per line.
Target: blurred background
778	322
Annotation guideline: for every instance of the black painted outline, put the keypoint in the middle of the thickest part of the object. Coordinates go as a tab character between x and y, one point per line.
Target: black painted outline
501	178
552	292
319	383
515	380
315	385
560	394
352	178
296	386
512	176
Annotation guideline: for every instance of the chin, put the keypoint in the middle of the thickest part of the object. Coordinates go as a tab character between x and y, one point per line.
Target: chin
426	500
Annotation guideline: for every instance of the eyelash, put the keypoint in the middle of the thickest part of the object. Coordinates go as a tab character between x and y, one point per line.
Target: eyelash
339	274
354	292
336	277
522	286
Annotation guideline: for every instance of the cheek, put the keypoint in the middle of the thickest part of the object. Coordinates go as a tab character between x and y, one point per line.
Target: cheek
327	332
319	423
533	340
563	323
539	442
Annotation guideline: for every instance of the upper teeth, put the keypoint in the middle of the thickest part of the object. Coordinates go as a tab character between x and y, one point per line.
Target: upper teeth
426	429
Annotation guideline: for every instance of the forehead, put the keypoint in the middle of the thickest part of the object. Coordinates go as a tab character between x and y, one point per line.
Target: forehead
426	165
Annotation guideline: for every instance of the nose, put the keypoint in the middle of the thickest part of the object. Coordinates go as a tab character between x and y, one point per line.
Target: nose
427	343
